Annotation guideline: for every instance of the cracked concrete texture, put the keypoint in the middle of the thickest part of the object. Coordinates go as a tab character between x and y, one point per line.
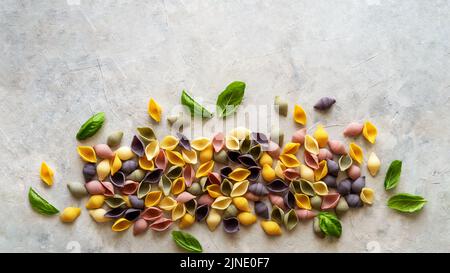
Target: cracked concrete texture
382	60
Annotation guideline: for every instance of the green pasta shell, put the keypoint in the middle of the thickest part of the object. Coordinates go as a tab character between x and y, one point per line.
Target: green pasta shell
195	189
255	152
290	219
165	184
277	215
245	145
221	157
114	139
115	201
226	187
231	211
146	134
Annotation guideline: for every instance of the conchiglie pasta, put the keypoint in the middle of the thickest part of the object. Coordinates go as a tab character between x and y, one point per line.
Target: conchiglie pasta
321	136
124	153
69	214
204	169
206	154
200	144
103	169
322	171
99	215
291	148
116	164
373	164
311	145
146	164
213	219
189	156
221	203
241	203
214	190
152	199
178	186
169	143
306	172
232	143
239	174
239	188
271	228
265	159
152	149
299	115
121	224
302	201
356	152
87	153
246	218
95	201
240	133
46	174
167	203
268	173
279	170
186	221
320	188
178	211
154	110
367	195
370	132
289	160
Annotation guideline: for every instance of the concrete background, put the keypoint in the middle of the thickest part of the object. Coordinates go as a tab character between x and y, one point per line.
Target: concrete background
62	61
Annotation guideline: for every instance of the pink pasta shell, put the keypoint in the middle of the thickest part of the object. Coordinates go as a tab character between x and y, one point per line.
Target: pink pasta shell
188	174
324	154
277	200
109	188
184	197
129	187
311	160
140	226
353	129
337	147
151	214
94	187
161	224
330	201
252	197
161	160
205	199
299	136
354	172
218	142
273	150
291	174
304	214
103	151
214	178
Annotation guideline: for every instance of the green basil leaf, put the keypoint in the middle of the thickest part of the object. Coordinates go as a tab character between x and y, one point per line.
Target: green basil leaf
186	241
39	204
230	98
393	175
195	108
406	202
91	126
329	224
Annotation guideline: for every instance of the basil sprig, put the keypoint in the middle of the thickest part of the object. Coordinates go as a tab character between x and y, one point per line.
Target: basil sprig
393	175
194	107
91	126
230	98
405	202
329	224
39	204
186	241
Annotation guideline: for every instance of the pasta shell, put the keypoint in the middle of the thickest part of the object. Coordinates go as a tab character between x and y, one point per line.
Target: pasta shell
153	198
218	142
206	154
146	134
306	173
114	139
261	209
265	159
240	133
358	184
154	110
311	160
226	187
299	115
130	187
337	147
103	169
316	202
205	169
121	224
46	174
214	190
344	187
333	167
115	201
186	221
302	201
225	171
205	199
274	150
99	215
95	187
271	228
195	189
116	165
103	151
213	220
188	174
203	183
260	138
175	158
191	206
356	152
152	150
183	141
124	153
167	203
324	103
277	200
89	171
137	146
201	143
252	197
214	178
290	219
353	200
255	151
258	189
289	200
330	201
233	156
87	153
174	172
321	171
345	161
178	186
221	203
277	186
354	129
161	160
221	157
307	187
109	188
146	164
155	175
330	181
354	172
277	136
239	188
232	143
342	206
277	214
245	145
311	145
246	218
321	136
152	214
118	179
281	106
255	172
247	161
169	143
77	189
291	148
70	214
132	214
231	225
320	188
373	164
165	184
189	156
324	154
139	227
268	173
289	160
231	211
115	213
299	136
201	212
239	174
295	186
178	212
304	214
367	195
241	203
161	224
184	197
370	132
129	166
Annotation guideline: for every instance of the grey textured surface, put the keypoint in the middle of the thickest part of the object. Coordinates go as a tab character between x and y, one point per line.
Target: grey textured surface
387	61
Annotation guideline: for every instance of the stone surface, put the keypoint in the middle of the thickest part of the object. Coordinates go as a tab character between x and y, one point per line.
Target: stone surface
62	61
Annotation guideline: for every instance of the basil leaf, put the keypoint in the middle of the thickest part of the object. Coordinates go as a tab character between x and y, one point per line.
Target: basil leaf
91	126
39	204
186	241
195	108
329	224
230	98
406	202
393	175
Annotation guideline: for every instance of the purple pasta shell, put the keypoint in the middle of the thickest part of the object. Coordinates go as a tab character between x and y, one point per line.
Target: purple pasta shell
353	200
247	160
129	166
118	179
261	209
261	139
153	176
258	189
233	156
132	214
115	213
225	171
137	146
324	103
231	225
136	202
289	200
89	171
333	167
277	186
344	187
201	212
255	172
358	185
330	181
184	141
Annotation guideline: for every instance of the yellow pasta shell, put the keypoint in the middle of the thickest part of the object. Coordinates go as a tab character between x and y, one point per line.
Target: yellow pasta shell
265	159
154	110
121	224
367	195
221	203
373	164
291	148
178	211
279	169
302	201
167	203
289	160
152	199
187	221
239	188
87	153
206	154
204	169
311	145
370	132
213	219
322	171
178	186
152	149
189	156
321	136
299	115
232	143
127	201
268	173
69	214
124	153
356	152
241	203
146	164
271	228
200	143
175	158
103	169
240	133
99	215
46	174
214	190
246	218
306	172
169	143
239	174
320	188
116	164
95	201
